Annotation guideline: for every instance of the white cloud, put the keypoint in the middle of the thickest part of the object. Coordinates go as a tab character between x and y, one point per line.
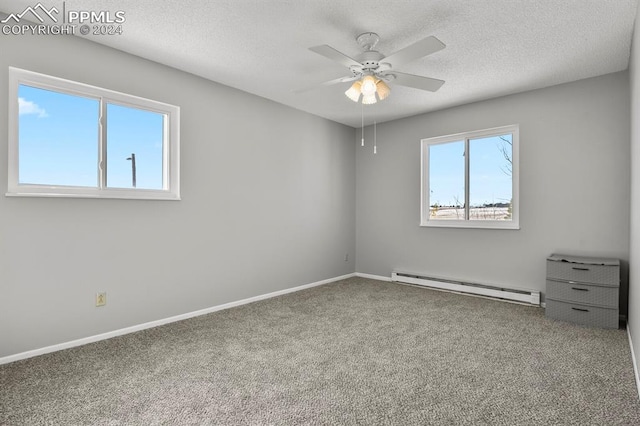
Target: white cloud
28	107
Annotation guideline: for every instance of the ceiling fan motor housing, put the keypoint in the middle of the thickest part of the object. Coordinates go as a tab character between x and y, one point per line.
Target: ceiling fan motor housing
370	60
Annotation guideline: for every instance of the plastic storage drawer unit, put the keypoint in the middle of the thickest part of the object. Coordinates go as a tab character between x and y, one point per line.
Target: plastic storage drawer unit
583	290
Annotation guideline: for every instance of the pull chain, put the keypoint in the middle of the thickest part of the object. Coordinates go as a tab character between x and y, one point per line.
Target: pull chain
375	138
362	118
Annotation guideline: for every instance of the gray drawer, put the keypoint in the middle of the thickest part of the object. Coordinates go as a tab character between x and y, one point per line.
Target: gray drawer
582	314
583	294
582	272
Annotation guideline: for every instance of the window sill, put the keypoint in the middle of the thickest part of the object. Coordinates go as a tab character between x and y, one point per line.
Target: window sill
475	224
110	194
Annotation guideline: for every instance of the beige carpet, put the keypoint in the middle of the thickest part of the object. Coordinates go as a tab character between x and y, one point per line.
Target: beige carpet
353	352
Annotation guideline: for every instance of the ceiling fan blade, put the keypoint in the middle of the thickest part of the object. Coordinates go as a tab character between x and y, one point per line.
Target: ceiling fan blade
331	53
417	82
326	83
414	51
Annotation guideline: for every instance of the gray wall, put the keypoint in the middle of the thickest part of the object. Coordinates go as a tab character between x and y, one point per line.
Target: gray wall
574	187
634	255
267	204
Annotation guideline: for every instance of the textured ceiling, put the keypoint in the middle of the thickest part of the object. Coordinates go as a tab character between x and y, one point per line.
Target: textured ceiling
494	47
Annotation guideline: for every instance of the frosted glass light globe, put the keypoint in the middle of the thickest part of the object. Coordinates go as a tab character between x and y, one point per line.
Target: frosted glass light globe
368	85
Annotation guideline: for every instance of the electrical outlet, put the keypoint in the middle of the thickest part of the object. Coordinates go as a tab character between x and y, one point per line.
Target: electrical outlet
346	257
101	298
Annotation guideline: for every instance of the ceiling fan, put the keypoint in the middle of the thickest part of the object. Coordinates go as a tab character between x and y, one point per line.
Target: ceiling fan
372	70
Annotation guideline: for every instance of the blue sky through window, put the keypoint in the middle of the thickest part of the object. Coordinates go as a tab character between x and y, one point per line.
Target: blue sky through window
58	138
59	141
489	172
490	179
139	132
446	174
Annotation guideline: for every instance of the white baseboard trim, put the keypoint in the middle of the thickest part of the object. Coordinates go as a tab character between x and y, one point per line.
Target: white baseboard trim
156	323
633	360
373	277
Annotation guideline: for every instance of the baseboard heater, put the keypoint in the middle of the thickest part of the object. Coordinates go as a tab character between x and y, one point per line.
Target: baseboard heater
524	296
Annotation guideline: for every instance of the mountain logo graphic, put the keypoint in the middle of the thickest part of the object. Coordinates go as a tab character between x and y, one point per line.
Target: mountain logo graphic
34	11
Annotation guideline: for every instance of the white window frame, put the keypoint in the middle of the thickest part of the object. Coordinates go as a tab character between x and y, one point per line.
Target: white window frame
171	143
425	218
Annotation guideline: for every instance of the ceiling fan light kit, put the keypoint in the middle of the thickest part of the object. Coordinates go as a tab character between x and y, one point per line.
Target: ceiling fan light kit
382	89
372	70
369	87
369	99
353	92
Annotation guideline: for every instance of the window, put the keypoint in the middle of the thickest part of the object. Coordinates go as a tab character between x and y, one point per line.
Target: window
74	140
470	180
